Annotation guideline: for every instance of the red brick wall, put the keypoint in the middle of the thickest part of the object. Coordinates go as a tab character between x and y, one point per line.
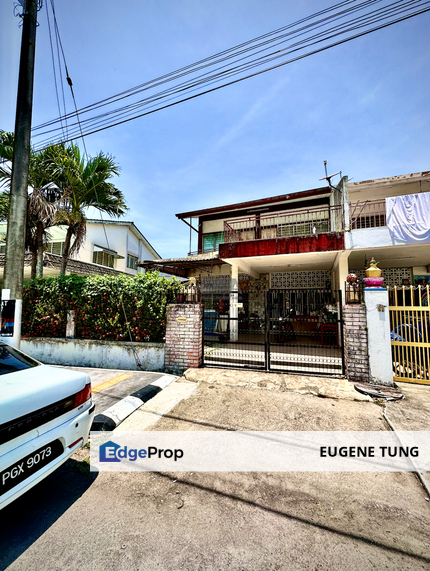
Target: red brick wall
355	337
184	343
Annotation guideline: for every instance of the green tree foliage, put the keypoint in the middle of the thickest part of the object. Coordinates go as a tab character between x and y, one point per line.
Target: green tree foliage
6	154
84	183
64	185
4	205
43	199
96	301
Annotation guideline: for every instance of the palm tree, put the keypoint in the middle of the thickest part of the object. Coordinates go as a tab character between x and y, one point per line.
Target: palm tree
6	154
84	183
42	204
41	215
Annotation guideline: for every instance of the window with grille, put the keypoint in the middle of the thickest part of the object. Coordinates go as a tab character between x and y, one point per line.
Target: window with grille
131	262
2	248
211	242
103	258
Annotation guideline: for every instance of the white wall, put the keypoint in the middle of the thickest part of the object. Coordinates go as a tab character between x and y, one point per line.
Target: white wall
121	238
100	354
379	336
372	238
116	240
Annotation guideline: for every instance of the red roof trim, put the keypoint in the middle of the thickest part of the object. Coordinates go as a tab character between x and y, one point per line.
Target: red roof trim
255	203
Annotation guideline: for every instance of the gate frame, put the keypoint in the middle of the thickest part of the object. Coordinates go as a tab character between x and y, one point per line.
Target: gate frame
266	367
339	323
412	341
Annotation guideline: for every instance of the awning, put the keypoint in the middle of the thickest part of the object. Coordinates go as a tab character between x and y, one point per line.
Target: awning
113	253
181	266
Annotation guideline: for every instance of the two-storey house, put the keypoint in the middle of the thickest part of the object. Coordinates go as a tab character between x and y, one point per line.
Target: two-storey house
274	270
110	247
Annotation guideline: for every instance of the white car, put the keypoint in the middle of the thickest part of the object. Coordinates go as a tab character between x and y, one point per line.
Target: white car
45	416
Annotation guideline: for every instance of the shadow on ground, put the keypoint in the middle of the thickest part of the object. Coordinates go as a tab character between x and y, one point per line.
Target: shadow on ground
25	520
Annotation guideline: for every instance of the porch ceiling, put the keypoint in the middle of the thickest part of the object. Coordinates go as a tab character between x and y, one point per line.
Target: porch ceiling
406	256
287	262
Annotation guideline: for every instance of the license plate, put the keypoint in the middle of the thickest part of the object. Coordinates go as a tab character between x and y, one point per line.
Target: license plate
26	467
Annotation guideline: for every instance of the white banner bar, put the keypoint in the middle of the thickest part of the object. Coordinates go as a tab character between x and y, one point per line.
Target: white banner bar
219	451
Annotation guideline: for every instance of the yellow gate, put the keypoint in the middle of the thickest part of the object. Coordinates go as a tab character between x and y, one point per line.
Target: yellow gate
410	333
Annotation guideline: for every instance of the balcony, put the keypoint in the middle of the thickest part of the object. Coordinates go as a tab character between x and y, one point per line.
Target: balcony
309	222
368	214
368	225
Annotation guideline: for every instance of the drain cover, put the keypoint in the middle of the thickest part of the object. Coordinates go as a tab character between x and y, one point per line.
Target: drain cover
378	391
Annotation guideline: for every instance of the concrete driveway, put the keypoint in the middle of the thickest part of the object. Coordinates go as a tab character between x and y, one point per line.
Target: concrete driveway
227	521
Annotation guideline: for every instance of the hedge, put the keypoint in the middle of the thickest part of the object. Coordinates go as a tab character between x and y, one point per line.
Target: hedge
102	304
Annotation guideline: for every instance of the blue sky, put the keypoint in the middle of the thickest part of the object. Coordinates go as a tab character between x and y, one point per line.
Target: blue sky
363	105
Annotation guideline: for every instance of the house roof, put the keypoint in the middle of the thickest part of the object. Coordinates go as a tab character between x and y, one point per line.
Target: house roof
73	266
131	225
256	203
402	178
179	266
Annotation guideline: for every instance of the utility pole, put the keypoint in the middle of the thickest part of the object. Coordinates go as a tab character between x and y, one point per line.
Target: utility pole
15	240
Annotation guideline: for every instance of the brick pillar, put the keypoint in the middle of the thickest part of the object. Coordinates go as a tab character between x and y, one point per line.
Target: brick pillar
184	337
356	345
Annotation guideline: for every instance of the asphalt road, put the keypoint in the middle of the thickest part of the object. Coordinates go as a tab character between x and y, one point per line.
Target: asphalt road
225	521
111	385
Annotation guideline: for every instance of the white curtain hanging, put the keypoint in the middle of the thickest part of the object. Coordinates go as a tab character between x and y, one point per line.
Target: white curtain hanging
408	217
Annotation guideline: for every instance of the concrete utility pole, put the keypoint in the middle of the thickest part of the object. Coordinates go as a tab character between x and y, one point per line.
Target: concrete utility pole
15	240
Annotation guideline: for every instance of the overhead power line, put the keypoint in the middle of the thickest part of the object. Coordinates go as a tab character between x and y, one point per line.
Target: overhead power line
325	29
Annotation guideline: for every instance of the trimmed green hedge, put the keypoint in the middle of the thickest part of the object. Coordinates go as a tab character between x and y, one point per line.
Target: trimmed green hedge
101	304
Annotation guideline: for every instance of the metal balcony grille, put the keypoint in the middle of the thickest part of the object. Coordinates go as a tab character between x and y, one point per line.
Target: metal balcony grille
369	214
312	221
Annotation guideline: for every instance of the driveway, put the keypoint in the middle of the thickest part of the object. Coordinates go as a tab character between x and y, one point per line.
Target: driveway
109	386
227	521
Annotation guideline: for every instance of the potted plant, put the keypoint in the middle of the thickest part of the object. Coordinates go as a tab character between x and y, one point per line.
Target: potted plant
180	294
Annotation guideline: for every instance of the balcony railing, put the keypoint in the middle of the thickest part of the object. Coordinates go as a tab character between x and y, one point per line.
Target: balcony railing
367	214
312	221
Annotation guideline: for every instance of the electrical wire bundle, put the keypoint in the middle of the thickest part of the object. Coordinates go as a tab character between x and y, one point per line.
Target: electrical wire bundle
322	30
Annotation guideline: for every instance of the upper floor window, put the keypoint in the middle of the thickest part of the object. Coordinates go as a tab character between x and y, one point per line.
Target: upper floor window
55	248
212	241
132	261
103	258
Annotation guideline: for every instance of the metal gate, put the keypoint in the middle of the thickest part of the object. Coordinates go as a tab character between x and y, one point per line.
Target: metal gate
296	330
410	333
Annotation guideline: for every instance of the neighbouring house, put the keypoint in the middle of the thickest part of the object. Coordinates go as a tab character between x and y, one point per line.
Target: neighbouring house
273	270
110	247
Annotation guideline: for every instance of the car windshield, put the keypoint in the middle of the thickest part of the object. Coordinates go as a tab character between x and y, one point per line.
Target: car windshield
12	360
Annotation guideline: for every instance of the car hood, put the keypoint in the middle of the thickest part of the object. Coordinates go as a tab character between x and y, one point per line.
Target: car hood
24	392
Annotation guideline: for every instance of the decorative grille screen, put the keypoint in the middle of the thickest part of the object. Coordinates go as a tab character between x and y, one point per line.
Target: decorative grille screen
315	279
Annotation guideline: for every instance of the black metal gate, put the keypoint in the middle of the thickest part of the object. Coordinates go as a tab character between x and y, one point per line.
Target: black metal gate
296	330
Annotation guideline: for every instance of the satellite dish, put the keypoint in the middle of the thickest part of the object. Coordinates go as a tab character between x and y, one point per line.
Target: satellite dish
328	177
